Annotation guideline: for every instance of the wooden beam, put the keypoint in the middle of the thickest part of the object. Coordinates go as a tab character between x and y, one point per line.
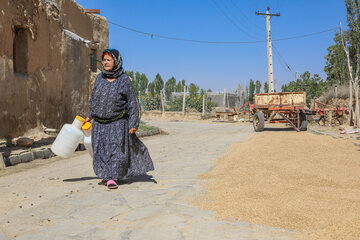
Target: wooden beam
2	164
92	11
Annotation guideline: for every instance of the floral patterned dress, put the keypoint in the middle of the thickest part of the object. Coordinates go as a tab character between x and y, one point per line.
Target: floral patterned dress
117	153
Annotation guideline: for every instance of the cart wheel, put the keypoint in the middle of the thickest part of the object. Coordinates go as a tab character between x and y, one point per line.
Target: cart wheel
258	122
303	126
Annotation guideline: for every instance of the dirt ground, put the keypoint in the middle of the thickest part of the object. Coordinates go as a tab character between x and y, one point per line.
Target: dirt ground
290	180
279	178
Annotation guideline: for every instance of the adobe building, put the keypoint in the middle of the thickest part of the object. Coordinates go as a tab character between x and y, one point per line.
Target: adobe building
48	62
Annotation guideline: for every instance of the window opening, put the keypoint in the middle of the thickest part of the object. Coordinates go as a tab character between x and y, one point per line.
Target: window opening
20	50
93	65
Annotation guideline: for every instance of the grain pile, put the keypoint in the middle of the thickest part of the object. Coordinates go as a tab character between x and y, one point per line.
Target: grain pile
289	180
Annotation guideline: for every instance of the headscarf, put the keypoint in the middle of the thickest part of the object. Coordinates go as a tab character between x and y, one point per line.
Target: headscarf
117	69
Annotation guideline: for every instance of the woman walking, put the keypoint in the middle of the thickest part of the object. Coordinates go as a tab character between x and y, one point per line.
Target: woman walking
118	153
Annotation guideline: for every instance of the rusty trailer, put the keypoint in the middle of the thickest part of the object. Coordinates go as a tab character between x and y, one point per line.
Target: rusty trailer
283	107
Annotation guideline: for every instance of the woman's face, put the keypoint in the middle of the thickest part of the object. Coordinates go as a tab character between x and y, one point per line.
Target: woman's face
108	62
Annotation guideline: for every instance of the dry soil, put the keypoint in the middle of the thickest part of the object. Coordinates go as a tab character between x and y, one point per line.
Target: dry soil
290	180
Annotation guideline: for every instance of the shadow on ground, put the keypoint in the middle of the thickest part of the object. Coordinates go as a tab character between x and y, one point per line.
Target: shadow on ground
79	179
283	129
142	178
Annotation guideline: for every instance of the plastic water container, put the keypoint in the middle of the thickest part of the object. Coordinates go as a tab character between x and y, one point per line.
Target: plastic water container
69	138
87	137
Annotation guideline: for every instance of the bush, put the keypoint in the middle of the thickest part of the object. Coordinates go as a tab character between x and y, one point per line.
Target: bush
146	130
190	103
152	102
342	93
175	105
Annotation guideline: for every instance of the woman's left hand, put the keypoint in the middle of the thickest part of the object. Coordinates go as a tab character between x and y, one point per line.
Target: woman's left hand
132	130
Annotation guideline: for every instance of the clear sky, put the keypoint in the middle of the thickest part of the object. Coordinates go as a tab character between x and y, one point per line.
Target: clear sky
219	66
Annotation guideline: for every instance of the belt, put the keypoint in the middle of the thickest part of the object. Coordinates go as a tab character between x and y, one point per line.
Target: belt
110	120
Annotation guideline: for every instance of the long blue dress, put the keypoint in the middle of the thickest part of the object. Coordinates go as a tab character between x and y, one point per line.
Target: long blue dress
117	153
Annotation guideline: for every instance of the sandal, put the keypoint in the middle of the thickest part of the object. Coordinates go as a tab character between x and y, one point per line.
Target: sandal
102	182
111	184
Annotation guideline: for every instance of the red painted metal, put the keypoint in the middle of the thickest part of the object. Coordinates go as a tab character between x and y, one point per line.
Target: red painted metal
328	108
286	105
240	110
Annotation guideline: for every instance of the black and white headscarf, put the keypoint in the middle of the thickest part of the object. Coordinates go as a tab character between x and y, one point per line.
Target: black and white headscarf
118	69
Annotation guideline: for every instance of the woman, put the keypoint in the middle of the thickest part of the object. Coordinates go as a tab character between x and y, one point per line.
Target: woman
118	153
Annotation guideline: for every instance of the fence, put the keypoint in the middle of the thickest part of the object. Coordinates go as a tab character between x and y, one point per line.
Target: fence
178	103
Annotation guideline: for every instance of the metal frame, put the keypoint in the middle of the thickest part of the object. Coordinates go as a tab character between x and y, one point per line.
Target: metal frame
293	114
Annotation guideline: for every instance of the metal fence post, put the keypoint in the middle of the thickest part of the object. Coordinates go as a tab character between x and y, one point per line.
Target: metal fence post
142	102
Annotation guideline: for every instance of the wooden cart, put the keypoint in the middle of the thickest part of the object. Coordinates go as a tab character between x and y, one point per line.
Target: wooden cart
283	107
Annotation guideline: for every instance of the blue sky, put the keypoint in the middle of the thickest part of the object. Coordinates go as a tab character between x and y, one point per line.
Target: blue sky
219	66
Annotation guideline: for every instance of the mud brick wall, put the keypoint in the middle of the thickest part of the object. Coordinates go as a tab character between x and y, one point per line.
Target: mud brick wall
45	71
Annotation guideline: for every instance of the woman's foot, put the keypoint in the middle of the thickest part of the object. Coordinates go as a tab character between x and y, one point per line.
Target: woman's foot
102	182
111	184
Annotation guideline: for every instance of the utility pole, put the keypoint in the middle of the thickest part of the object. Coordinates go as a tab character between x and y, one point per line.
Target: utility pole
297	75
225	93
269	46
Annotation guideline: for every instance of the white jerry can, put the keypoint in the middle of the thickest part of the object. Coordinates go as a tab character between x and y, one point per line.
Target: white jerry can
87	137
69	138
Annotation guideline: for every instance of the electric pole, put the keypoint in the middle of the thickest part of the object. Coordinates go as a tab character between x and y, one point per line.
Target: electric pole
269	47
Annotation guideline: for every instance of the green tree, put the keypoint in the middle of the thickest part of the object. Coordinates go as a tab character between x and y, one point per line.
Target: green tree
136	82
336	66
159	83
193	90
179	87
183	84
284	88
151	88
251	90
352	51
266	87
133	79
170	86
130	74
258	86
313	86
209	90
353	20
143	83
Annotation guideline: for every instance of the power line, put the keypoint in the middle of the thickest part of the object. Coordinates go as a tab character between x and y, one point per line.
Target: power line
152	35
254	4
305	35
232	1
283	62
248	29
234	23
287	65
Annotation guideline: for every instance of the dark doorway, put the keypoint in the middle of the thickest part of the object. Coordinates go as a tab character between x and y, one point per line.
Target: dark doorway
20	50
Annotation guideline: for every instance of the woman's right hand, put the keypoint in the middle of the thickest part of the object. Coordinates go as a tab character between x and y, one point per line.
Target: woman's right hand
87	119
